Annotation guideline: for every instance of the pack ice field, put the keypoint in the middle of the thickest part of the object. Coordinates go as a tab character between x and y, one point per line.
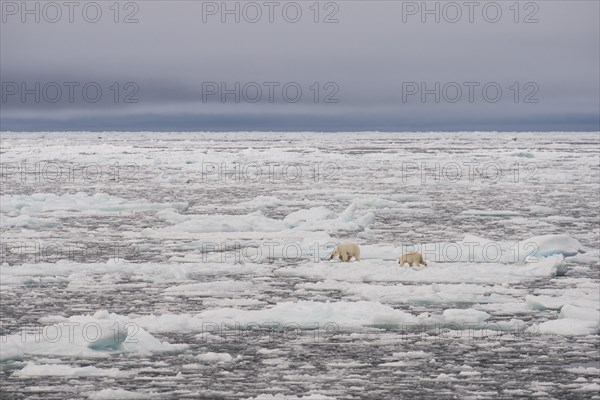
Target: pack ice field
198	265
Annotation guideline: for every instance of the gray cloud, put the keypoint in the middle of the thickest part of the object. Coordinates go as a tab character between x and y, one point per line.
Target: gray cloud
362	61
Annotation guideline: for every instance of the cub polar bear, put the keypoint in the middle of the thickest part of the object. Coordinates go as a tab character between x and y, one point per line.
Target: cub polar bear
412	258
346	251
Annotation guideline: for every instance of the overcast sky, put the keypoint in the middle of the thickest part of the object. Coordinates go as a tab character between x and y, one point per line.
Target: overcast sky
379	67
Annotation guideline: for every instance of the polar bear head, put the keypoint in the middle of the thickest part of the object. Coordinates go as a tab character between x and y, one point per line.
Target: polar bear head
335	253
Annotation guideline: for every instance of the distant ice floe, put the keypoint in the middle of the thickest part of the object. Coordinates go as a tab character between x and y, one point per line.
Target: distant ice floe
591	387
223	288
475	271
475	249
217	358
435	293
548	245
10	348
280	396
304	314
80	276
79	203
121	394
458	272
84	336
262	202
569	311
26	221
579	297
345	315
312	219
584	371
521	251
392	200
492	213
32	370
566	327
255	221
573	320
524	154
322	219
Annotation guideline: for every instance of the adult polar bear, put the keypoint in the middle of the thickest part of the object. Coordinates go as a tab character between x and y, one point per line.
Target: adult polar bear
346	251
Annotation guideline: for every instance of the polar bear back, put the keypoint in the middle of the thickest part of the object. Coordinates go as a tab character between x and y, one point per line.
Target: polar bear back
347	250
411	258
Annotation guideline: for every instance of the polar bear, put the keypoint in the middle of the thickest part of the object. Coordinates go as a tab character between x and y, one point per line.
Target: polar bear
346	251
412	258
